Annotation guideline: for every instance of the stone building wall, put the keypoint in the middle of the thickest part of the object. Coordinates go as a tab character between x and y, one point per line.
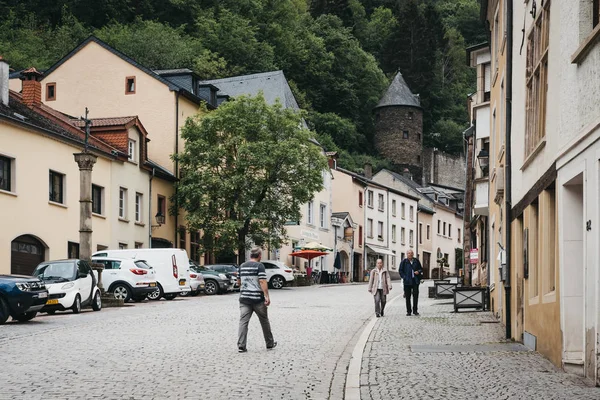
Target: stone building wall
392	126
443	169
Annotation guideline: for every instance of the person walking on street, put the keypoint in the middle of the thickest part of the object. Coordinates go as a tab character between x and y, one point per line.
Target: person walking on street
411	272
380	285
254	298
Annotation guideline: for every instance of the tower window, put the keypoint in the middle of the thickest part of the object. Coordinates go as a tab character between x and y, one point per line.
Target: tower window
418	159
405	134
410	115
377	117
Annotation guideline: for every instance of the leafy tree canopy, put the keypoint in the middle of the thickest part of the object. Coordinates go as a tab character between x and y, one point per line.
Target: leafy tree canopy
246	169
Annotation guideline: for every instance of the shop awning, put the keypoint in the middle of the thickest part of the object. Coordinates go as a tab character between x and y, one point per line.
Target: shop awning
379	250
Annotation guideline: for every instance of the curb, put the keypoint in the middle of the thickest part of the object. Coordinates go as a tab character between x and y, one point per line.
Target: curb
352	389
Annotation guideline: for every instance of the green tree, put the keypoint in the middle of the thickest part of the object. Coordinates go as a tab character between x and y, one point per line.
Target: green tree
246	169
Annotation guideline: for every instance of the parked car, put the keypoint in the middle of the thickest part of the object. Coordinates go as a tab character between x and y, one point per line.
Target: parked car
214	282
228	269
71	285
127	278
171	267
21	297
278	274
196	283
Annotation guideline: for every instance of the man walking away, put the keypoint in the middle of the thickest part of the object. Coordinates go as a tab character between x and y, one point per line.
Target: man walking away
380	285
254	297
411	272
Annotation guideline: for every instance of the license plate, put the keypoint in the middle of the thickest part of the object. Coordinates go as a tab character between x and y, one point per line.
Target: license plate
43	295
52	301
153	284
182	282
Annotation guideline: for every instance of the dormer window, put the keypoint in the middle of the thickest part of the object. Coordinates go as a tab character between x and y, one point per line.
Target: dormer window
131	150
130	85
51	91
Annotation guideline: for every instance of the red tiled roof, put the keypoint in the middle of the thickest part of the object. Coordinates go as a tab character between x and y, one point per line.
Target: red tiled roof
96	122
62	124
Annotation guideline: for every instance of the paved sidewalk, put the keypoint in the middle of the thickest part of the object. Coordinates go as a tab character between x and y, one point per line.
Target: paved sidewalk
444	355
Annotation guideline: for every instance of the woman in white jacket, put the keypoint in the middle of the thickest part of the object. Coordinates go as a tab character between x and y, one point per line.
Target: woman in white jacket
380	285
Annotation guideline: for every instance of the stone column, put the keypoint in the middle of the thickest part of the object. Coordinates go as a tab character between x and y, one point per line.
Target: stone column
86	162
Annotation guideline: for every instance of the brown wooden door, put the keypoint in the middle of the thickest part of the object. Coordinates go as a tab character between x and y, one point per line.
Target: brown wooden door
26	253
426	265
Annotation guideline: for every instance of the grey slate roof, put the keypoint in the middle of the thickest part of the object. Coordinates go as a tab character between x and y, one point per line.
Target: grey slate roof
399	94
340	215
273	84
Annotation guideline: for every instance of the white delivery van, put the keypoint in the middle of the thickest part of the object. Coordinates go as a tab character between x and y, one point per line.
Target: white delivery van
171	266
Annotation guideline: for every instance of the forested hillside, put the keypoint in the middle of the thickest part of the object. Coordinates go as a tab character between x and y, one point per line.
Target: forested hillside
338	55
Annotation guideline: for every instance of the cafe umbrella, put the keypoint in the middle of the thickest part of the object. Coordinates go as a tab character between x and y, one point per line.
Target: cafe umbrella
309	254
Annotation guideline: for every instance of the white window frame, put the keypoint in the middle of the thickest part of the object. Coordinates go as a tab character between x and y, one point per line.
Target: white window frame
323	216
309	215
139	207
394	233
402	235
122	203
370	198
403	210
380	202
131	150
380	230
369	228
11	166
393	207
428	232
412	213
411	238
102	203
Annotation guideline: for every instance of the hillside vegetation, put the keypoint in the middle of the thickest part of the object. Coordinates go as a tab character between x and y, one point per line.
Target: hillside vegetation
338	55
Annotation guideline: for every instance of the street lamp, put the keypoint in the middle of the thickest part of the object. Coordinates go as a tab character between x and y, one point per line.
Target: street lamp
484	161
160	219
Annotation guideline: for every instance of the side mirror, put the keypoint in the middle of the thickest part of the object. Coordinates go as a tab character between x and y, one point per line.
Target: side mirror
82	275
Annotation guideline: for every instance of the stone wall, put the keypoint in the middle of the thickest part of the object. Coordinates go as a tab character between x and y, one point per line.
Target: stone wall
443	169
392	126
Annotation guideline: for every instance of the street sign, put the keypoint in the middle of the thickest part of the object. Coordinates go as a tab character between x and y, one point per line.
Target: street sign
474	256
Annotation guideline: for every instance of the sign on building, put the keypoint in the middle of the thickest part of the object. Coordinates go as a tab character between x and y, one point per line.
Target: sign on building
474	256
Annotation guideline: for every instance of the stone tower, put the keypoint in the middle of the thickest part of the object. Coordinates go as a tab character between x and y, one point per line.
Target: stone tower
399	128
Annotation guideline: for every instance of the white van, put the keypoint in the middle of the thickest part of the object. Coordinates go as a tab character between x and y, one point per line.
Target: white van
171	266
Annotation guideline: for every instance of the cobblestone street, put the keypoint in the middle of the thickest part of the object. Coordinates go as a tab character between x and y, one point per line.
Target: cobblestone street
444	355
186	349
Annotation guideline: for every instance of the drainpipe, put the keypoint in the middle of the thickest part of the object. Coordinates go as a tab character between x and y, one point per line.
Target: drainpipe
176	243
150	209
507	164
364	267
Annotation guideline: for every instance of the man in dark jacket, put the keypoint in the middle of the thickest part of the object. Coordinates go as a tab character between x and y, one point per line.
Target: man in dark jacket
411	272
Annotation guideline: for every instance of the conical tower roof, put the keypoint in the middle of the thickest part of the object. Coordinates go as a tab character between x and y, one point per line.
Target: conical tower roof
399	94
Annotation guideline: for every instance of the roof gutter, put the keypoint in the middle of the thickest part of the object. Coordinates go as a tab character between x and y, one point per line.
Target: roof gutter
507	164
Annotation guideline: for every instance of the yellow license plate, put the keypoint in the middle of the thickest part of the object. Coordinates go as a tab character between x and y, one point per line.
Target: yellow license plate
153	284
53	301
182	282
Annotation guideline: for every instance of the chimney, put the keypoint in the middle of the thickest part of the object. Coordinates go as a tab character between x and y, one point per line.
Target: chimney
406	173
332	157
368	171
4	72
32	87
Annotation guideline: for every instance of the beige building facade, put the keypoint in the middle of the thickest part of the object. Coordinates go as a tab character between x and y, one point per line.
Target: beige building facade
39	183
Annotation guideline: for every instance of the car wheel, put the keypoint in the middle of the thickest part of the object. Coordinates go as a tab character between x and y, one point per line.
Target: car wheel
3	311
211	287
121	292
51	312
156	295
76	305
277	282
97	302
184	294
26	317
170	296
139	299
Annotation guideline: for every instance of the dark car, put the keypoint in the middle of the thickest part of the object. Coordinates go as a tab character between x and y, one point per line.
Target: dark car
228	269
21	297
214	282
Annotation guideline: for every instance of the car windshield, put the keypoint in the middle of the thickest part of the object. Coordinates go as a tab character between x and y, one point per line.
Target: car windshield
62	271
198	268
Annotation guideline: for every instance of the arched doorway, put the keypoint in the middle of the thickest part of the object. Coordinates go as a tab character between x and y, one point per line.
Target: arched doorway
160	243
27	252
345	262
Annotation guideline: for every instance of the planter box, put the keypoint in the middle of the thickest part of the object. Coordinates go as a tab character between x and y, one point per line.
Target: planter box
444	290
469	297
